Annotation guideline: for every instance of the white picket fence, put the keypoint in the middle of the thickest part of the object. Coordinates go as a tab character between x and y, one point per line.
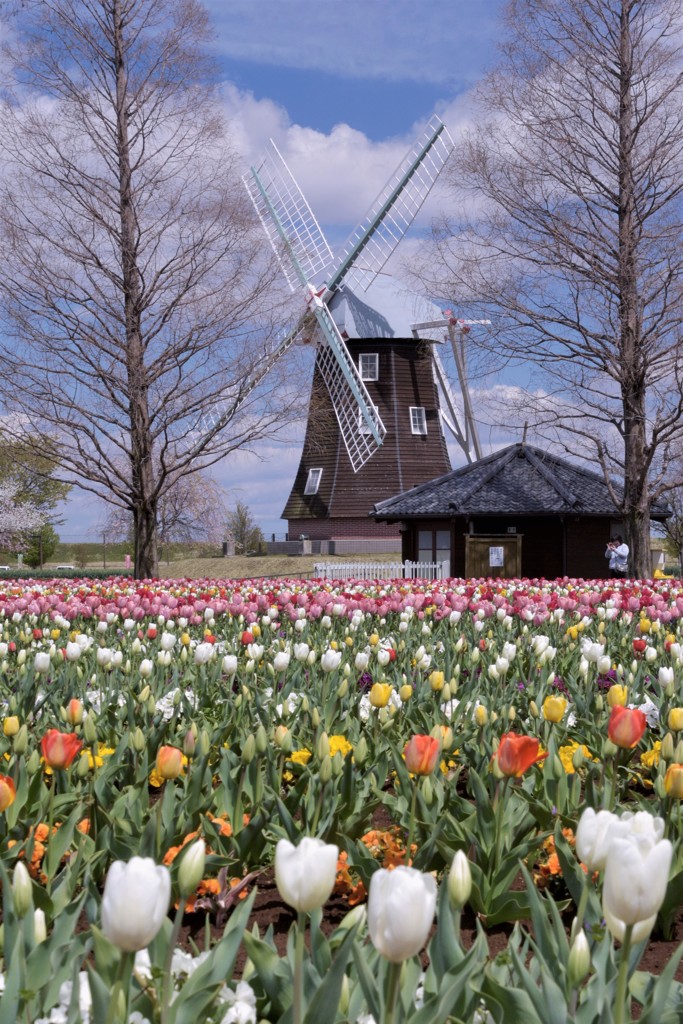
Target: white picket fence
381	570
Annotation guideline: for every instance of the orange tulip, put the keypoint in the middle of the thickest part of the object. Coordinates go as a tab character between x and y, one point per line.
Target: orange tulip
626	726
169	762
59	748
422	754
8	792
516	754
74	711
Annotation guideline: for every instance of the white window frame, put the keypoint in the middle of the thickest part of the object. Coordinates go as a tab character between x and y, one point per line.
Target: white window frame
418	420
367	372
313	481
363	428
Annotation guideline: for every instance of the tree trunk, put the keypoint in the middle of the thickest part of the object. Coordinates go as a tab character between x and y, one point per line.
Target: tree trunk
635	508
146	553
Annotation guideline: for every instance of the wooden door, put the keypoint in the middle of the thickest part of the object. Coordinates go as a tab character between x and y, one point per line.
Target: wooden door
496	556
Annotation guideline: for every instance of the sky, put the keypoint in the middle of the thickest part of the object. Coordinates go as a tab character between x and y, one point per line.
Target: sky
343	87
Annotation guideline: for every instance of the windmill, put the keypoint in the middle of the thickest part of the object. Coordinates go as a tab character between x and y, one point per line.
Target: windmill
355	451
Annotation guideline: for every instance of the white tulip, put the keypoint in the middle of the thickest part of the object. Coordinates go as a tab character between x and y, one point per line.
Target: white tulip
604	664
362	661
330	660
305	874
230	664
167	641
281	661
255	651
383	656
135	902
128	624
103	656
73	651
203	653
665	677
301	651
146	668
636	877
594	835
401	906
41	662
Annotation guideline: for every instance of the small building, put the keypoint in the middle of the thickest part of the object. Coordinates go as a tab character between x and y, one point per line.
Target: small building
520	512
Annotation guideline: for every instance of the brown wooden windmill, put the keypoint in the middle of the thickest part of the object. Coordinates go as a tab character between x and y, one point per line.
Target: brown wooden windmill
375	421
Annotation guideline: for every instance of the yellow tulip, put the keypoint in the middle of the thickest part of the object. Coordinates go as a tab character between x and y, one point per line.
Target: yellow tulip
676	719
10	725
554	708
617	694
481	715
673	781
380	694
406	692
436	680
645	625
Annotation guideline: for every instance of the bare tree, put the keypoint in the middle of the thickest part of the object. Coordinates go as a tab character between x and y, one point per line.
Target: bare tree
134	281
243	528
573	242
191	508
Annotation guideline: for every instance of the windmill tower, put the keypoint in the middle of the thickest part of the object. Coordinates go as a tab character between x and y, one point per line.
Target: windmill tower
375	421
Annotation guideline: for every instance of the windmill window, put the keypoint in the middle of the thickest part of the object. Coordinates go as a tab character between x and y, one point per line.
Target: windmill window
363	428
313	481
418	420
369	366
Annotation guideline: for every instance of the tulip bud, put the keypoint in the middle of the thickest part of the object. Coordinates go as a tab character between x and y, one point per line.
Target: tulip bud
678	752
578	759
325	772
137	740
667	749
191	869
599	702
261	740
315	718
427	790
189	743
39	926
660	787
533	709
495	769
459	881
20	742
283	739
151	705
203	743
322	747
512	714
83	765
249	749
343	688
143	696
22	890
89	730
579	962
405	692
305	704
609	749
675	719
360	753
33	763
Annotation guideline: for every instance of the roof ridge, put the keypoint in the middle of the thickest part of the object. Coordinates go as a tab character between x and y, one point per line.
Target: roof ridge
539	465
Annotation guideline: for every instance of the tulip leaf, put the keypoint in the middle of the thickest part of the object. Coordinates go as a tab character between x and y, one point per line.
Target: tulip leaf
274	973
661	997
60	841
506	1004
323	1006
14	971
456	996
368	982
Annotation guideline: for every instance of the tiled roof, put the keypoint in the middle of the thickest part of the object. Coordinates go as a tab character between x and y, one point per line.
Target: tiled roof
519	480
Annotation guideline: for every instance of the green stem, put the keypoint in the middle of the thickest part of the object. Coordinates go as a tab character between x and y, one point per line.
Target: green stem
318	809
393	988
499	811
299	949
620	1010
411	824
125	963
157	838
50	823
581	909
238	813
167	989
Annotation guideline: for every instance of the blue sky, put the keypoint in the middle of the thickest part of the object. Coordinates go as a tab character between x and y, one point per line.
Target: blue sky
343	87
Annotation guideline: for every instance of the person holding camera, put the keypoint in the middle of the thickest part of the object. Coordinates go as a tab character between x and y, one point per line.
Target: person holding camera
617	552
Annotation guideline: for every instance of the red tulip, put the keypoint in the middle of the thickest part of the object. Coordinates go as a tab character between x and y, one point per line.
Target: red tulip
7	792
422	754
59	748
639	646
626	726
152	633
247	637
516	754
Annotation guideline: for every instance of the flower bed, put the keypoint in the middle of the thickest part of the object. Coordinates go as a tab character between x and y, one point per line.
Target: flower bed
418	749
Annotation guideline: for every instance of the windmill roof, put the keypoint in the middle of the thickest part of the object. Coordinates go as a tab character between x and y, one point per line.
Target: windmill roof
518	480
385	310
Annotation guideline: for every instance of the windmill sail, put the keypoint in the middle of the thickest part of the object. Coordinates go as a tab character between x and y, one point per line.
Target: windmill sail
393	211
288	220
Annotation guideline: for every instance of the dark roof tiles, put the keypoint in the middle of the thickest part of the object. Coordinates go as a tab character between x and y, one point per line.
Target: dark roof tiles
519	480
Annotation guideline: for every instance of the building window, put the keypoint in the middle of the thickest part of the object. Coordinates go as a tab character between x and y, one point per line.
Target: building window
433	545
369	366
418	420
363	428
313	482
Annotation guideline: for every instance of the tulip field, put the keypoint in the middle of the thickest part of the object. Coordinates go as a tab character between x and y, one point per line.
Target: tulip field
416	754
